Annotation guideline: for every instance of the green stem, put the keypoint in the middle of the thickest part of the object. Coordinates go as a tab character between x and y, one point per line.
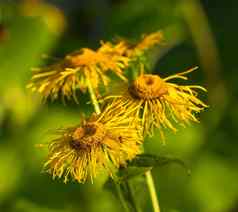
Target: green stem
93	97
132	198
149	177
121	197
98	111
152	190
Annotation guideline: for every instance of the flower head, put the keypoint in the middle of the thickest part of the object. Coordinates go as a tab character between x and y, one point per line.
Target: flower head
103	142
146	42
160	103
76	69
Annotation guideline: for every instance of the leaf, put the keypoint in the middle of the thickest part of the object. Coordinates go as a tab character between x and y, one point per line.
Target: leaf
148	160
131	172
124	182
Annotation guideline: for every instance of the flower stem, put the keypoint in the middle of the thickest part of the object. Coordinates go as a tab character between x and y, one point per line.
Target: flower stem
93	97
152	190
98	111
149	178
121	197
131	197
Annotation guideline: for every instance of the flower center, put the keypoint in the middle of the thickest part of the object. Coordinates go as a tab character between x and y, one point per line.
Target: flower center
84	137
149	81
148	86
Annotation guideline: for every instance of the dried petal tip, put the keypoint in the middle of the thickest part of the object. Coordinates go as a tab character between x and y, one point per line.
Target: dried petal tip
150	40
146	42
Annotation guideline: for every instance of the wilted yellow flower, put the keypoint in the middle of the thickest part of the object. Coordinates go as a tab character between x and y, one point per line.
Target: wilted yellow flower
160	103
118	48
78	69
102	143
147	41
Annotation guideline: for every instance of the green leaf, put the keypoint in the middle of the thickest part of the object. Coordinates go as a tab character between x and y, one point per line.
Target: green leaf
125	181
130	172
148	160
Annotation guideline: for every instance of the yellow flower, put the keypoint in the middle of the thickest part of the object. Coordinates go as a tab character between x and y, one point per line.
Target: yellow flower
160	103
75	70
147	41
102	143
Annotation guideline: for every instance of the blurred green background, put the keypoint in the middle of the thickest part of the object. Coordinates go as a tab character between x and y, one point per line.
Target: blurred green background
197	32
